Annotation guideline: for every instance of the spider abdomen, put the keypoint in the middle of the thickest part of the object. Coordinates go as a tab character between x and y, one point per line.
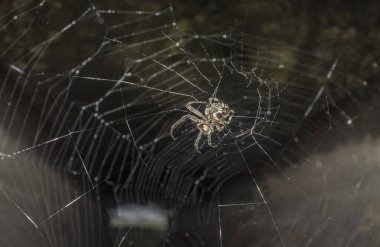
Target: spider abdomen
205	128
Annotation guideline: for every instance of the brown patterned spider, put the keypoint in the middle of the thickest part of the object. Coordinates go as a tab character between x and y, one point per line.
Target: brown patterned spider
216	117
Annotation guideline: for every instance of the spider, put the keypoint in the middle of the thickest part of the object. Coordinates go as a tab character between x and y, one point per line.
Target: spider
216	117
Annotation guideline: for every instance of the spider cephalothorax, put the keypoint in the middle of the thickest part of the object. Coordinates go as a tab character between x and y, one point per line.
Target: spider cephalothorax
217	115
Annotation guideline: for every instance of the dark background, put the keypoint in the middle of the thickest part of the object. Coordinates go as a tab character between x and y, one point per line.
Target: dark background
320	185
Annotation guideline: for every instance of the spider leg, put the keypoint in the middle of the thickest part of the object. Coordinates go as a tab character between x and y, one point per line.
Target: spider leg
209	141
181	121
196	143
193	110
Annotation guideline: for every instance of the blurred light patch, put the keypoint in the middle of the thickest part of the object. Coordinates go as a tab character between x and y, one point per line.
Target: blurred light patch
140	216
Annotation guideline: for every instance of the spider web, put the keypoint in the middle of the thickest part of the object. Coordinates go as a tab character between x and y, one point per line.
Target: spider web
87	101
